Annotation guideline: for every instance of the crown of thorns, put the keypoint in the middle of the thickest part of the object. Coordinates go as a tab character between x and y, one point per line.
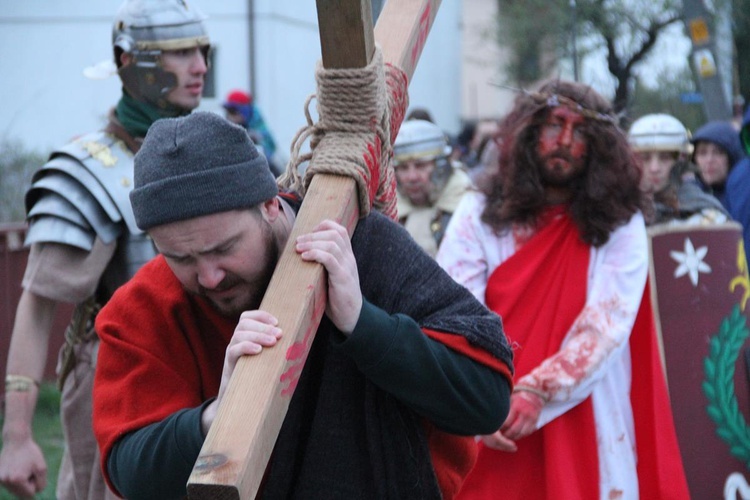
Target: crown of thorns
552	100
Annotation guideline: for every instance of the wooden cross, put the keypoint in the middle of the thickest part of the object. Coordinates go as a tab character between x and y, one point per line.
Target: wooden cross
238	446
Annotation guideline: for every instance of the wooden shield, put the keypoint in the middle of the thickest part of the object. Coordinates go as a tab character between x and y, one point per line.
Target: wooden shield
700	289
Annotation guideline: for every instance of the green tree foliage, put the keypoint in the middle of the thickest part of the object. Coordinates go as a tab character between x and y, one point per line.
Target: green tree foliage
17	165
539	33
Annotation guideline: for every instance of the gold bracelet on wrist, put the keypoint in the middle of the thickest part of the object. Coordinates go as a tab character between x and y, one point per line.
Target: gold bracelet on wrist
19	383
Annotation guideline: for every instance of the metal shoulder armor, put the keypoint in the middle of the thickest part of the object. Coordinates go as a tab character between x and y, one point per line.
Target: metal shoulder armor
82	192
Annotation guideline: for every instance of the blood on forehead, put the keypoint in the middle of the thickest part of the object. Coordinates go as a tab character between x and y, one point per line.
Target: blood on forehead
566	115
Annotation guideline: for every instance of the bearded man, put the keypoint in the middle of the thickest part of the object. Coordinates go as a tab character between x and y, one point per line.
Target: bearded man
404	369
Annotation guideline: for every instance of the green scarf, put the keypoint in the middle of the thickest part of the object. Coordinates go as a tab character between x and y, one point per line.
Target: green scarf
137	116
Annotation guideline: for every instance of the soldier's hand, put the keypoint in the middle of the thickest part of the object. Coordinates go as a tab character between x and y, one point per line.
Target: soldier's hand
23	470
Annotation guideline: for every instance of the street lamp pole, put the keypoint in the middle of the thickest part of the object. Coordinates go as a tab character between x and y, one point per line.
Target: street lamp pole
703	60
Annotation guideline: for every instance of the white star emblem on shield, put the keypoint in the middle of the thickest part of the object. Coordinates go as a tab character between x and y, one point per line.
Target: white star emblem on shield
690	262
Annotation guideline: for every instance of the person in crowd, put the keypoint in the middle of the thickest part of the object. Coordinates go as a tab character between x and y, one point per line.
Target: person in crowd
737	195
662	144
462	144
241	109
85	243
471	141
716	150
557	246
429	184
488	162
406	365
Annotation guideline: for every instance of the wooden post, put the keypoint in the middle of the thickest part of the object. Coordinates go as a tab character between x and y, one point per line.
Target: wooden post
239	444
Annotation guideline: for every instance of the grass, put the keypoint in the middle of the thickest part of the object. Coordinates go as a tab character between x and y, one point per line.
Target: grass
48	435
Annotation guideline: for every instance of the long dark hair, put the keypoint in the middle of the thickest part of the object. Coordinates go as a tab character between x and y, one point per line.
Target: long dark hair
603	198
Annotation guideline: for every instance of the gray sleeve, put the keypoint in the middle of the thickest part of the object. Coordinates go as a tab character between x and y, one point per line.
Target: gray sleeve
65	273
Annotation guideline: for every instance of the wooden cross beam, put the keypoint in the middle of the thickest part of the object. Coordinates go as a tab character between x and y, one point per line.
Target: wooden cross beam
238	446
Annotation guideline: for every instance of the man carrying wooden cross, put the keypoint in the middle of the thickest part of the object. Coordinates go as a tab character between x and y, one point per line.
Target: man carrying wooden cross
405	368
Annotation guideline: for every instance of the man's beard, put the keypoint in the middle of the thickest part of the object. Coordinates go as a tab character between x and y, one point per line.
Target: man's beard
257	287
556	176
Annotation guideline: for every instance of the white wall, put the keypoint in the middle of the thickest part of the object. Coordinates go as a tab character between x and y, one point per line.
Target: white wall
44	47
287	49
436	84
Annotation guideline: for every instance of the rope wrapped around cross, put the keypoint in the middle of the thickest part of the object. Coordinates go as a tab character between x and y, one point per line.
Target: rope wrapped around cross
353	109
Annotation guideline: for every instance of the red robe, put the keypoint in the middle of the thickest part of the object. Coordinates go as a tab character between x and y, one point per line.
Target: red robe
539	292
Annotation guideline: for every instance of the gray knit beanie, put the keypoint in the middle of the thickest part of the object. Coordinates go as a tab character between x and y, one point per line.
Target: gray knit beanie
197	165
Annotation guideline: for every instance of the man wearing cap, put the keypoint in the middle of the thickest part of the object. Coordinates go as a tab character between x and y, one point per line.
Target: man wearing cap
737	196
241	109
405	366
429	184
85	243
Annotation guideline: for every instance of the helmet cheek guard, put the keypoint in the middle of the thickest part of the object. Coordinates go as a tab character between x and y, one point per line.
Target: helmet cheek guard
145	29
146	80
441	174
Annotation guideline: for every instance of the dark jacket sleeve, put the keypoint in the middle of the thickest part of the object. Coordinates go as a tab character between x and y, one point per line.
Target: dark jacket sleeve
455	392
155	461
398	277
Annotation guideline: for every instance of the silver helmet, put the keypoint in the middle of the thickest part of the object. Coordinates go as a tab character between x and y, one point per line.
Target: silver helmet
145	28
424	141
420	140
659	132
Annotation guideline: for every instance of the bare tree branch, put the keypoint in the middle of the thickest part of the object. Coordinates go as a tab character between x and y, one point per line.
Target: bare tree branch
615	24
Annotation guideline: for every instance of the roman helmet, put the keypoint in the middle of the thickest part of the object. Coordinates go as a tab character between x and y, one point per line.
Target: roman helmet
659	132
145	28
424	141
